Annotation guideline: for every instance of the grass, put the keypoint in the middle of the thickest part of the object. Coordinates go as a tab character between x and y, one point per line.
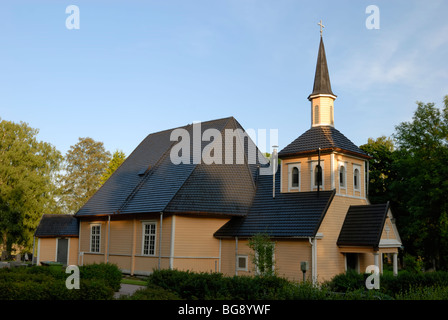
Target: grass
134	280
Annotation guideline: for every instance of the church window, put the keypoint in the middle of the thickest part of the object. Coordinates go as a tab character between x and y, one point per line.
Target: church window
294	176
316	114
356	181
342	176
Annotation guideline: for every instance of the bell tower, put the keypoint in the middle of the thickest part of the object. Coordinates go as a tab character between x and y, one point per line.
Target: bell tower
322	98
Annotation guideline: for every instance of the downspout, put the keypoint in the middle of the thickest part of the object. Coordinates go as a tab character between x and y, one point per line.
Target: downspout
236	256
108	238
313	260
173	229
160	240
79	243
368	179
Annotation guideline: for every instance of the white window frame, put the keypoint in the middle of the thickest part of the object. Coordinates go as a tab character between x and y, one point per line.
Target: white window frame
291	166
314	164
357	166
144	224
342	164
98	235
242	256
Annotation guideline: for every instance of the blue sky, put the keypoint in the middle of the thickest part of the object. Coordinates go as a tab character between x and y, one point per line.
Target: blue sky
137	67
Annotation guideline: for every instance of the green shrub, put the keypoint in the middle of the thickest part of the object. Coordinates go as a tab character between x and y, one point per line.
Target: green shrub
258	287
304	291
190	285
152	292
107	272
97	282
424	293
344	282
54	289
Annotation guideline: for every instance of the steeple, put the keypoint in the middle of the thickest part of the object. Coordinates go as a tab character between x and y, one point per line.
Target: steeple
322	83
322	97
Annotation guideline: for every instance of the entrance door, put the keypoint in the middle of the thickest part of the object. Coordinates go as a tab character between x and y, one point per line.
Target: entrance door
62	251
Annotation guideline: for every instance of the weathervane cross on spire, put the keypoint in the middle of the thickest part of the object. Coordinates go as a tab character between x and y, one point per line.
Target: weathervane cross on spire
321	26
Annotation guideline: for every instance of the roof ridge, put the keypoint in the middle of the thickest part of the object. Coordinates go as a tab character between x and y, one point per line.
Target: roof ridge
246	162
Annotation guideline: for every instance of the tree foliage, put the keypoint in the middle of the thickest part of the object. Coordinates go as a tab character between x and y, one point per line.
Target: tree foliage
27	184
381	172
412	173
263	254
85	164
422	158
117	159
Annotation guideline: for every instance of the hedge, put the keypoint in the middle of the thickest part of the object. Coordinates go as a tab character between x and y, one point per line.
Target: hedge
205	286
405	283
97	282
348	286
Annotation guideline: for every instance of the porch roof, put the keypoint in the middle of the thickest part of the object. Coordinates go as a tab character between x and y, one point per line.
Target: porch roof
363	225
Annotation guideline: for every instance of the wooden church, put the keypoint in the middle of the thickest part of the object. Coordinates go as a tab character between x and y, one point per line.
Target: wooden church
154	214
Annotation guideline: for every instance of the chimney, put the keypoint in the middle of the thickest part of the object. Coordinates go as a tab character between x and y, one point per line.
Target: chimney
274	164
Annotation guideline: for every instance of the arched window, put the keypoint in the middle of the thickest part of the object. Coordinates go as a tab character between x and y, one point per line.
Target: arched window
295	177
342	176
318	175
356	179
316	114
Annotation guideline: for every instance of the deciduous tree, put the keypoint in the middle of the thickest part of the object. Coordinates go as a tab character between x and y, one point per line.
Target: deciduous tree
85	164
27	184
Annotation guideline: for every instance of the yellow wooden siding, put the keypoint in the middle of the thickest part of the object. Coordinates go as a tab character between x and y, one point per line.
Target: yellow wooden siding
89	258
330	260
197	265
326	110
73	251
123	262
48	246
194	236
228	257
287	256
194	244
349	163
307	165
47	249
388	230
121	237
85	235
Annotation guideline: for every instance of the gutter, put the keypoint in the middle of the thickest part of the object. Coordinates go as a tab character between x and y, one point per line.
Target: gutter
313	244
108	238
160	240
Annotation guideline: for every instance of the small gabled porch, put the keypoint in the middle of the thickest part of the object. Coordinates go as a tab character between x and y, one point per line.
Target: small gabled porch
367	234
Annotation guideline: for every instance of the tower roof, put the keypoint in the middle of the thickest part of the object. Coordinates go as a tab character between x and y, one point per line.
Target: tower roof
325	137
322	83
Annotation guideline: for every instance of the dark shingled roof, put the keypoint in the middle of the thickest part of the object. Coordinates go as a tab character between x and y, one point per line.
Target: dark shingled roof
57	225
324	137
363	225
293	214
188	188
322	83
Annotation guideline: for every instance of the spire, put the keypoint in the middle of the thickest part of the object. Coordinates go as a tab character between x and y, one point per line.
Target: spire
322	83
